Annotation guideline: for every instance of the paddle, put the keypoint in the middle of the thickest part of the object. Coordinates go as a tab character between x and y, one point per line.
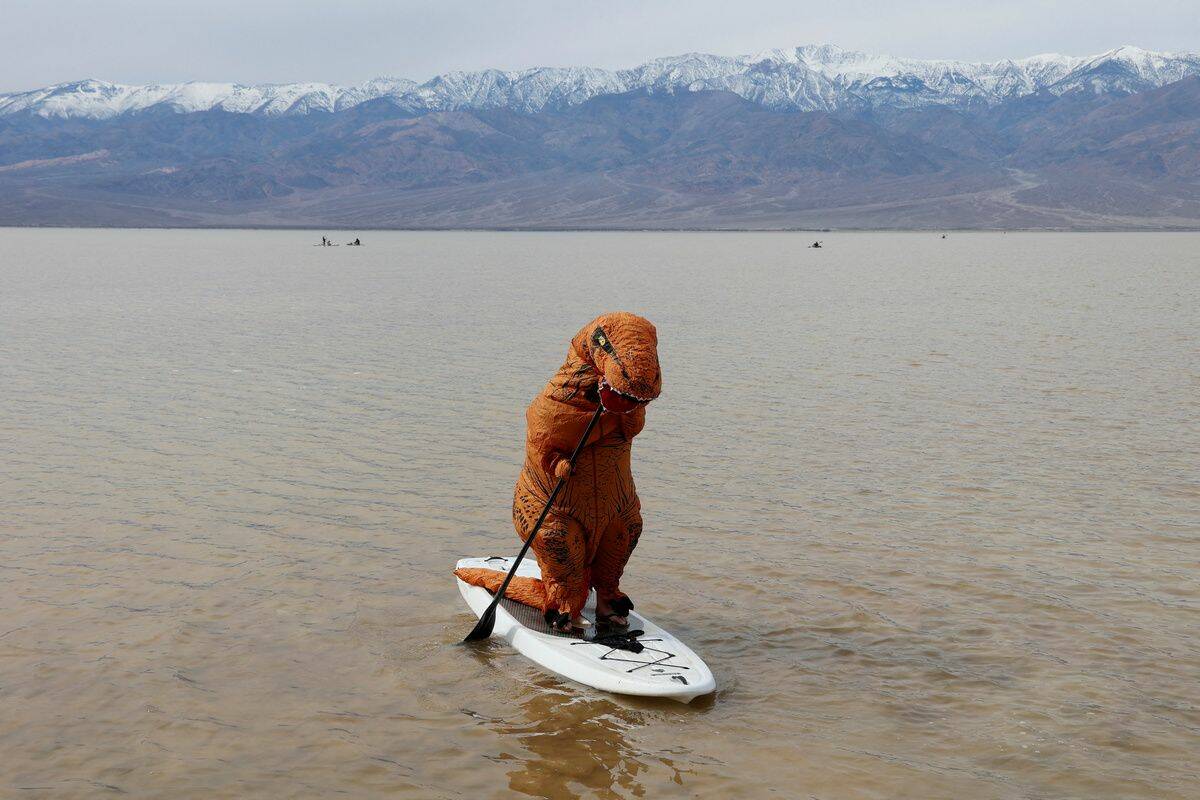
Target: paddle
487	620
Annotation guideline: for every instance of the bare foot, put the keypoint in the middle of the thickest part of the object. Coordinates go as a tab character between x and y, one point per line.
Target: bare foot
605	611
561	622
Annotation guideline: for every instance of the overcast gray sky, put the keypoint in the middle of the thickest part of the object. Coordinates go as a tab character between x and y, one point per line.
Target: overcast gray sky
348	41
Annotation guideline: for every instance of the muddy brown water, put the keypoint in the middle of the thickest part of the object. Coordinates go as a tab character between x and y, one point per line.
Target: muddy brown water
929	508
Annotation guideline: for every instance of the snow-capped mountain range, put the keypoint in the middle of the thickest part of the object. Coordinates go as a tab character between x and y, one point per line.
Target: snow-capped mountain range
809	78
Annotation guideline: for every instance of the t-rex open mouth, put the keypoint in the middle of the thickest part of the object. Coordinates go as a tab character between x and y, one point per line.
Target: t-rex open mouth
617	401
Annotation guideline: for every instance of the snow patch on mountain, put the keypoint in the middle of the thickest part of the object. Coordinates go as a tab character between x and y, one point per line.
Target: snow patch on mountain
808	78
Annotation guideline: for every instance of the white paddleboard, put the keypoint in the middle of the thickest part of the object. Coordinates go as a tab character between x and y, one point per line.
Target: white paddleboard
666	667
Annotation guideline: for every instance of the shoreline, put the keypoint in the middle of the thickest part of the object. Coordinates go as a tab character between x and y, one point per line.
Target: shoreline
551	229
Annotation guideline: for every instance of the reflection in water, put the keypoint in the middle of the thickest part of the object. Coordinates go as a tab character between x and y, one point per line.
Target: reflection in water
576	740
578	746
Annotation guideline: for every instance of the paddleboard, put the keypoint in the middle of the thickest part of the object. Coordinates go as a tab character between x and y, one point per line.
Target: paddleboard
665	667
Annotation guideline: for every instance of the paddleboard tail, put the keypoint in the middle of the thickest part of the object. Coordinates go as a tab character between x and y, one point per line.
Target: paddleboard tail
527	591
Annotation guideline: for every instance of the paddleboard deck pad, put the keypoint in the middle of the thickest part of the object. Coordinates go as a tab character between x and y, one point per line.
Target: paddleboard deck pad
602	657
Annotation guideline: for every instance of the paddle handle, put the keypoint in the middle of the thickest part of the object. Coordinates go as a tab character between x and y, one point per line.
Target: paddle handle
537	526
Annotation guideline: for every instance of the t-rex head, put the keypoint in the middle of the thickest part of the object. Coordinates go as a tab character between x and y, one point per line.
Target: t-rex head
622	350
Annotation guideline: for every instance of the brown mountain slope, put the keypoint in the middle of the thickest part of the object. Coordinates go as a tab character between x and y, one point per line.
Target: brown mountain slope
706	159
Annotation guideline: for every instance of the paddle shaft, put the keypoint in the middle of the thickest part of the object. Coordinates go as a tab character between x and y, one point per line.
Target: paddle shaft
487	619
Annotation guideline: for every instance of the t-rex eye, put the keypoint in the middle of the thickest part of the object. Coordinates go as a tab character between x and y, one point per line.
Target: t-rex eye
601	340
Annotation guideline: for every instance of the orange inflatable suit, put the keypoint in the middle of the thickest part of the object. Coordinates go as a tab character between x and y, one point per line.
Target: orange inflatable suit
596	520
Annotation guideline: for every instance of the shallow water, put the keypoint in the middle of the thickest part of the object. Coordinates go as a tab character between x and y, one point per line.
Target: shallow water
930	509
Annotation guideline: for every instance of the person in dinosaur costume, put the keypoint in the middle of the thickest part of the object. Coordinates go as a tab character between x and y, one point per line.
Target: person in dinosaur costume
596	520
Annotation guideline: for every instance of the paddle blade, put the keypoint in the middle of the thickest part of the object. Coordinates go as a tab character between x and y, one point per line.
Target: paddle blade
483	628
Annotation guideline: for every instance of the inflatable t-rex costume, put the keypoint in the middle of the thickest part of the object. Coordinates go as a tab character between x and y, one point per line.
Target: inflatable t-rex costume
595	522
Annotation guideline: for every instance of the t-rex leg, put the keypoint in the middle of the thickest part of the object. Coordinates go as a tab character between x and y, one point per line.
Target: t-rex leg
615	546
561	548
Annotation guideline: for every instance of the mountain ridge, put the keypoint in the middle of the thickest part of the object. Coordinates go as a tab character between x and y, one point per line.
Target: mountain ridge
933	145
805	78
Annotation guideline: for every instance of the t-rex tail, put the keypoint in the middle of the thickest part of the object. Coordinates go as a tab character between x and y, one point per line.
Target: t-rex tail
530	591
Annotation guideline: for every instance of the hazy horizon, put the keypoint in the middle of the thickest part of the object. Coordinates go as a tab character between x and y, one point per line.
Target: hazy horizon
276	42
422	78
